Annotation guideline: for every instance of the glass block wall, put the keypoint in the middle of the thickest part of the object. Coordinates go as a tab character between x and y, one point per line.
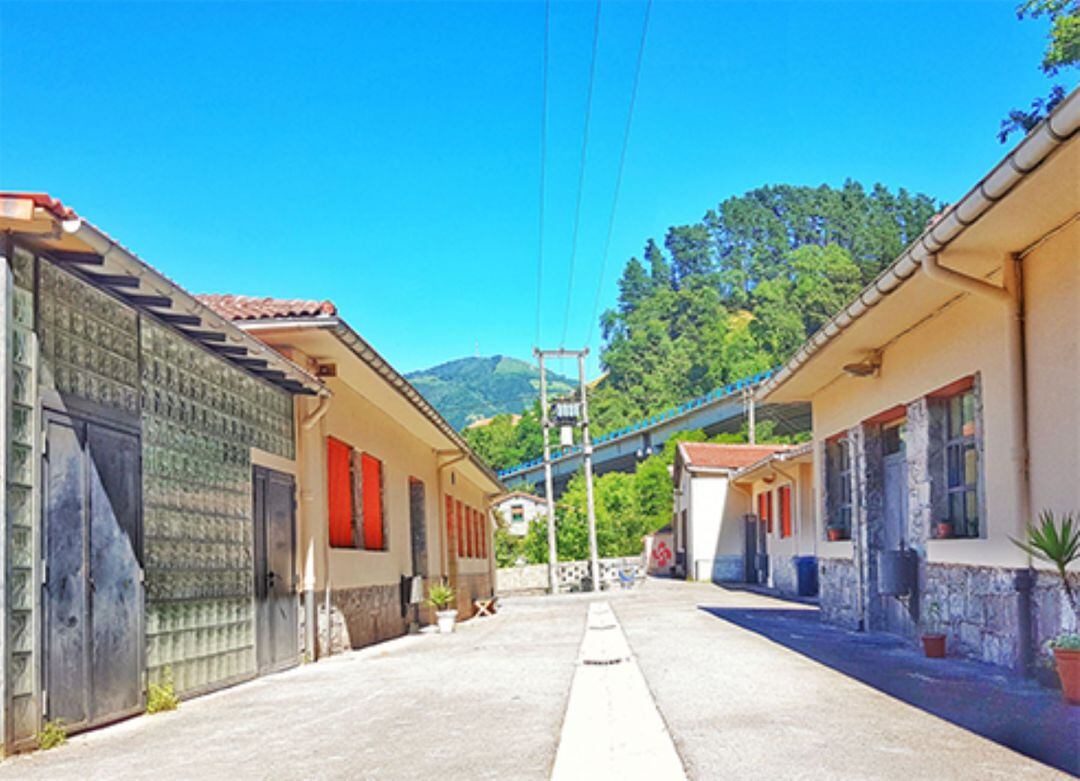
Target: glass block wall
20	495
200	418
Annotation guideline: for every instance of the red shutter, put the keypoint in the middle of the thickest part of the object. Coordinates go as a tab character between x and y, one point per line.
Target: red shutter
785	511
460	530
449	525
481	518
371	471
339	485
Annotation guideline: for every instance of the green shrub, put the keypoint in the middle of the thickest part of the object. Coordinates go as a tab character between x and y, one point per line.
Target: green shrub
53	733
161	696
440	596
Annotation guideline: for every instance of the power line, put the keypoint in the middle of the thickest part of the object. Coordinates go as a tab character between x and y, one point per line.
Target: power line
543	169
619	175
581	173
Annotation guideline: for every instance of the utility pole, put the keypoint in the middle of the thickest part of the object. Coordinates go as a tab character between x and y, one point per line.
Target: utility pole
594	562
553	554
586	446
751	423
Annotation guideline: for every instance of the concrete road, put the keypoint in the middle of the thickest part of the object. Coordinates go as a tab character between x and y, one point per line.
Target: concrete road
743	705
746	687
485	702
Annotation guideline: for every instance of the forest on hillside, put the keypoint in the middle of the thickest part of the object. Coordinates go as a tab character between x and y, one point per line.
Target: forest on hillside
728	296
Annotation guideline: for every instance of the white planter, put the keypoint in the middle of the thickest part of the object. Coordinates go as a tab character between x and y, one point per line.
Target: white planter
446	619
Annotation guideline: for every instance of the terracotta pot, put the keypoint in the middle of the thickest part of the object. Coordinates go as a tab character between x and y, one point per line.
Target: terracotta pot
835	535
934	646
1068	669
944	530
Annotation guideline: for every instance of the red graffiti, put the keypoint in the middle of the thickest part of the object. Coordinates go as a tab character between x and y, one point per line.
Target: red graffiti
661	554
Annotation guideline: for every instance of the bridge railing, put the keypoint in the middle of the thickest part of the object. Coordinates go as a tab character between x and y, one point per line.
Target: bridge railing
687	406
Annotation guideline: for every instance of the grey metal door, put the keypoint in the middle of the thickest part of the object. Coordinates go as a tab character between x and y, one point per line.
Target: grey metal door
418	527
894	532
277	628
92	590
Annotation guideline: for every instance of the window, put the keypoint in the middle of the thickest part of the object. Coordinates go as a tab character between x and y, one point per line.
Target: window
785	511
961	466
355	497
517	513
838	486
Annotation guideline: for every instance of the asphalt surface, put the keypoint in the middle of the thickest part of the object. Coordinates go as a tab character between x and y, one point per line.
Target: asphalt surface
747	687
755	688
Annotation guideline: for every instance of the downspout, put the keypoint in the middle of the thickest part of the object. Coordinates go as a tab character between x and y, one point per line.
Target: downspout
1011	294
311	617
449	562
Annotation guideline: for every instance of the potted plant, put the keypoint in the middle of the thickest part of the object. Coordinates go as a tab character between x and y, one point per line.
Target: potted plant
943	530
1059	544
441	597
836	533
933	638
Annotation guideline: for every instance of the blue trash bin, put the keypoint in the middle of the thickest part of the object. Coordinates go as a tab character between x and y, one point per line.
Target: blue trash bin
806	573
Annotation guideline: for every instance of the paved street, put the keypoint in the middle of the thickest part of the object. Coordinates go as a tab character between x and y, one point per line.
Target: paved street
744	684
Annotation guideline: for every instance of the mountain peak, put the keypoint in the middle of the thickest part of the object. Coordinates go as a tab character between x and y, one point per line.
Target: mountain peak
468	389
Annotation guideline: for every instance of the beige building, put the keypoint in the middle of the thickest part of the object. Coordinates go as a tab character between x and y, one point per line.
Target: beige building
946	416
781	542
714	532
388	490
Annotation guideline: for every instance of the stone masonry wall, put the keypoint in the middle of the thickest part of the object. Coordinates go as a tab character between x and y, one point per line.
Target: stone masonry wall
980	609
837	592
360	617
785	575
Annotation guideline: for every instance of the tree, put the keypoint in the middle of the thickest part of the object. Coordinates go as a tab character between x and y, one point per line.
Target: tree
1062	52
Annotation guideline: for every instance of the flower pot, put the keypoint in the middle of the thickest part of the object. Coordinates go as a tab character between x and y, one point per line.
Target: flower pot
1068	669
835	535
934	646
446	620
944	530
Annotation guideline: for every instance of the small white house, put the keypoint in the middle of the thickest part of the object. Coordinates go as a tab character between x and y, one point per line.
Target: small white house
710	538
519	510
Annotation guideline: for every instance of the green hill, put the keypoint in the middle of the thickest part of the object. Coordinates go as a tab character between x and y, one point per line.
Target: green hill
469	389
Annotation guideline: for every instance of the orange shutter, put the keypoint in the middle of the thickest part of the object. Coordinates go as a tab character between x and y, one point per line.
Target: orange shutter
460	530
339	485
449	525
371	473
785	511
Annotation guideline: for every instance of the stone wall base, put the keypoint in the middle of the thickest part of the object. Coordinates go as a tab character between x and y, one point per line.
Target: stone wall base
981	610
837	593
359	617
724	569
785	575
470	587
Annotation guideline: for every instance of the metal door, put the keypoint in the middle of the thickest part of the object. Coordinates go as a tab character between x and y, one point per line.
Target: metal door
894	531
277	627
92	590
418	528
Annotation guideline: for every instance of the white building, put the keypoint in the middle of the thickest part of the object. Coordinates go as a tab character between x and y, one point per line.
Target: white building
710	509
519	510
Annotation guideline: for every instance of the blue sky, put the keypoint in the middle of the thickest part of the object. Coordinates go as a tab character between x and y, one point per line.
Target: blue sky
386	156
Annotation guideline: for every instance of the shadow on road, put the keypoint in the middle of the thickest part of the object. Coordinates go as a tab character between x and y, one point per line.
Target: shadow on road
987	700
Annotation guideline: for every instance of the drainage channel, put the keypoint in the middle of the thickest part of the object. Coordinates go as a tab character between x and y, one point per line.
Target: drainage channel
612	728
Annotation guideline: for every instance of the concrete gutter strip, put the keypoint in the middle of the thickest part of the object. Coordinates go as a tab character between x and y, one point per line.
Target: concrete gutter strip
612	728
1047	136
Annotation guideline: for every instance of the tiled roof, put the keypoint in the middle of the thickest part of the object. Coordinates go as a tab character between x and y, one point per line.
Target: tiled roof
714	456
44	201
265	308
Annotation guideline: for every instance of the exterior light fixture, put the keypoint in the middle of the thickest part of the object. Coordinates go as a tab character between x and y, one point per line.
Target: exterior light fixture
868	367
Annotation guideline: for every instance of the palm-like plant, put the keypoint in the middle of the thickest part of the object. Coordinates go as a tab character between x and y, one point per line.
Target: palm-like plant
440	596
1057	543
